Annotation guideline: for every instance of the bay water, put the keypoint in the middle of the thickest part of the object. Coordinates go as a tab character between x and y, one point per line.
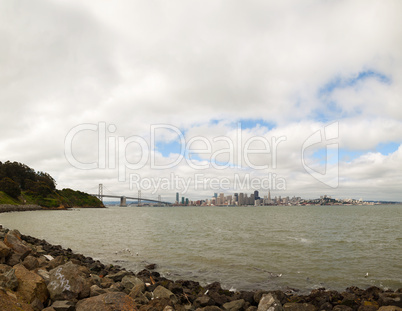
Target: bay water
244	248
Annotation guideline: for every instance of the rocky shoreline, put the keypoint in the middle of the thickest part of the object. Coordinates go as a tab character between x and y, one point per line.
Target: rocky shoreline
5	208
35	275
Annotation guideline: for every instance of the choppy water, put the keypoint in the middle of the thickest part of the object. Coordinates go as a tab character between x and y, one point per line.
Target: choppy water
242	247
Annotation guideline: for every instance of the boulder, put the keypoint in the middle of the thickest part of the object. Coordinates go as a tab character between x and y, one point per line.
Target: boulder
63	305
342	308
13	241
141	299
15	258
129	281
106	282
4	252
9	280
54	263
390	308
30	285
95	290
44	275
258	295
235	305
157	305
9	303
97	280
30	262
269	302
137	290
162	292
367	308
68	282
326	306
107	302
210	308
292	306
203	301
391	299
117	277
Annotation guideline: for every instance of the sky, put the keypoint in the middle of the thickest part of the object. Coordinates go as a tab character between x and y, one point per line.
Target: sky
302	98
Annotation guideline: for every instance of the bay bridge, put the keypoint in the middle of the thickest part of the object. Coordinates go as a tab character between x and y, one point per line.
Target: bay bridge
123	199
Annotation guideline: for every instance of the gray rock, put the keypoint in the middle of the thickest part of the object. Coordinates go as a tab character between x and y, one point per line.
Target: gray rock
162	292
44	275
108	301
106	282
30	262
13	240
209	308
269	303
137	290
258	295
9	280
129	281
116	287
342	308
235	305
68	282
326	306
292	306
97	280
95	290
4	252
391	299
117	277
63	305
14	259
203	301
390	308
141	299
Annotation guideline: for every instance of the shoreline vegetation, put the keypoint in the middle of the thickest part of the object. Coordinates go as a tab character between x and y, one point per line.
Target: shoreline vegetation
23	188
35	275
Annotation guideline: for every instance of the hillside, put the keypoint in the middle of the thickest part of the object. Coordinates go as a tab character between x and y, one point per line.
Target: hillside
22	185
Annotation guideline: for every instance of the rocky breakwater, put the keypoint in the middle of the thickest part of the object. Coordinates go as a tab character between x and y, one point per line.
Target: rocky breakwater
35	275
5	208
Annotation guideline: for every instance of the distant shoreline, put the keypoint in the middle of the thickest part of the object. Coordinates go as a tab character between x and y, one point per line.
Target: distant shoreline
8	208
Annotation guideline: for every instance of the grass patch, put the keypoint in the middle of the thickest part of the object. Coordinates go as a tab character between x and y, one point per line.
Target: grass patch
6	199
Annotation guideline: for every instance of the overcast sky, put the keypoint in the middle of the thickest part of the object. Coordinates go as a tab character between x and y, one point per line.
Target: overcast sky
113	91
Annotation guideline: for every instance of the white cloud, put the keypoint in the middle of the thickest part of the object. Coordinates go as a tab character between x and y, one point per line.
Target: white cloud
133	64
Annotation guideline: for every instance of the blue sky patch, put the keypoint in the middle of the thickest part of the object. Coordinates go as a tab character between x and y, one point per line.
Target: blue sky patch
387	148
252	123
167	148
339	82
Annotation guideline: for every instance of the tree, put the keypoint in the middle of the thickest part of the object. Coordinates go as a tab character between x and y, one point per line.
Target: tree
10	187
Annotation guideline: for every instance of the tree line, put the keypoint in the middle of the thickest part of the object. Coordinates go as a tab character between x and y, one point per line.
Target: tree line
16	177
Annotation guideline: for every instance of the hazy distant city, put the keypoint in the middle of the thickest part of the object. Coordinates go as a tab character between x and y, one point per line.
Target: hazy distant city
255	199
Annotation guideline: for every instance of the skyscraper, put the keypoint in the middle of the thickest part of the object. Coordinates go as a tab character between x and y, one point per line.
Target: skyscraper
256	197
177	197
241	198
